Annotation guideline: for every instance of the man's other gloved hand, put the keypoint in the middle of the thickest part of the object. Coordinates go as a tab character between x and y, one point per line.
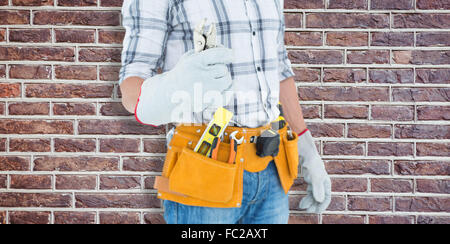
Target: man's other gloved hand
207	69
313	170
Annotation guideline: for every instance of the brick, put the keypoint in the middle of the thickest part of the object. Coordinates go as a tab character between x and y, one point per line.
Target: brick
343	94
426	219
349	185
139	201
391	185
14	163
421	20
111	36
337	203
347	39
19	71
342	219
421	167
74	109
113	109
2	217
120	182
2	144
10	126
24	108
31	182
433	39
32	2
305	38
433	76
76	72
8	90
30	35
80	163
100	55
29	145
75	36
117	127
88	18
344	4
316	56
347	20
119	217
391	76
312	111
433	149
4	3
50	200
436	4
391	4
13	53
326	130
369	131
346	111
111	3
343	148
306	75
2	71
422	131
144	164
74	217
55	90
392	113
154	218
25	217
399	39
119	145
303	219
422	204
368	57
74	145
3	181
379	204
344	75
293	20
358	167
422	57
390	149
303	4
109	73
421	94
380	219
433	113
76	182
155	145
149	182
14	17
433	186
2	109
77	3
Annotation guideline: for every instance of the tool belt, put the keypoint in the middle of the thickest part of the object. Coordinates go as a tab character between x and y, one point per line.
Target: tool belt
193	179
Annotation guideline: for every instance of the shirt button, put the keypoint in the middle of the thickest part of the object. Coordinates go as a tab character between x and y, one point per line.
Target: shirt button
254	33
259	69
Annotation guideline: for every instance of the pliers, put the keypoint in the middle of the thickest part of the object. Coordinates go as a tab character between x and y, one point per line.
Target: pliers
234	142
203	41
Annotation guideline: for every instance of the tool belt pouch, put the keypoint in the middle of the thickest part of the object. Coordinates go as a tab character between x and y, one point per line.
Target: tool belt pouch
291	149
203	178
192	179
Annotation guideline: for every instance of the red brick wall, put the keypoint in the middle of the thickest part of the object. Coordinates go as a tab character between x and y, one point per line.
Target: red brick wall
373	77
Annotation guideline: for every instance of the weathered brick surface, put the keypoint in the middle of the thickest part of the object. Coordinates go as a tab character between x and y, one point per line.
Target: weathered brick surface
373	82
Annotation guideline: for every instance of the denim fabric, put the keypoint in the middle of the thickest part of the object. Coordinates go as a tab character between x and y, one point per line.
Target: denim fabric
264	202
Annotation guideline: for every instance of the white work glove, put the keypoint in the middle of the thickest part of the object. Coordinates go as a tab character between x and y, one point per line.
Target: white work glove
173	91
313	170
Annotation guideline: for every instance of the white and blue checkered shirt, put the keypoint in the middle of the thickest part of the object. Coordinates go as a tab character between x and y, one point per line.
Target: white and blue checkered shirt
159	32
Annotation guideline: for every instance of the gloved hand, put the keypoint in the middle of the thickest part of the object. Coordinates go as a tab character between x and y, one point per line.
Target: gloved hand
313	170
160	95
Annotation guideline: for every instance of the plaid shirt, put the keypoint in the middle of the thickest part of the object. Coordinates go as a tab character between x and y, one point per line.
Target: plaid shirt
159	32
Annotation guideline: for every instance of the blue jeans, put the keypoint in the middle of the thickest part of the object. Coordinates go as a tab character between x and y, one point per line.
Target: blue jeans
264	202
